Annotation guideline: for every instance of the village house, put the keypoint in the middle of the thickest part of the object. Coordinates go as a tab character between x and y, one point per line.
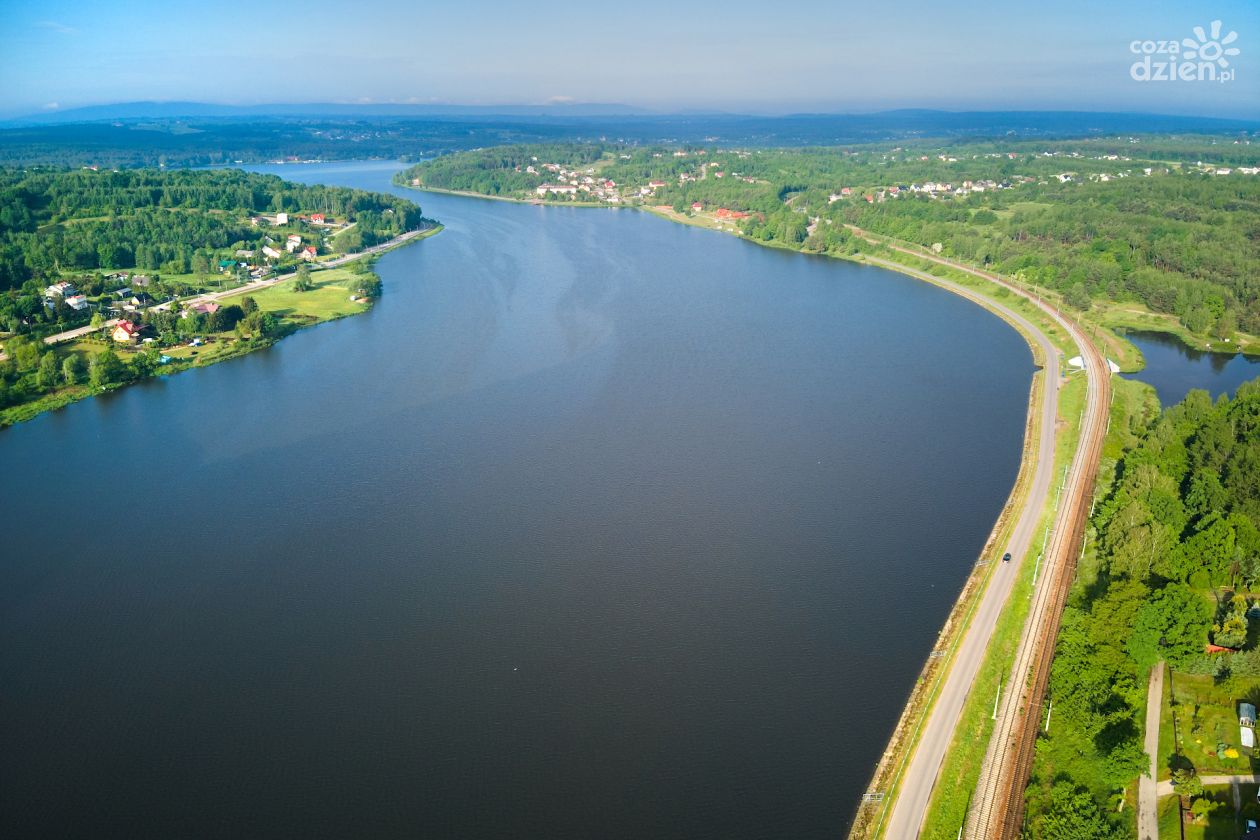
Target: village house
317	218
270	252
61	289
77	302
125	332
292	243
282	218
559	189
308	253
205	308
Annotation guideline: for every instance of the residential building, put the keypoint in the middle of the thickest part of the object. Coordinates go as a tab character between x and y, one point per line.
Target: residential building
125	332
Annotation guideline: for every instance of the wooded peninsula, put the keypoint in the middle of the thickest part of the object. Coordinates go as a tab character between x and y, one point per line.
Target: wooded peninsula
107	278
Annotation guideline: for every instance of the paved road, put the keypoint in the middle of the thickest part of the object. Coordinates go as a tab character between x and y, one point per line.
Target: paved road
70	335
998	801
937	730
1148	813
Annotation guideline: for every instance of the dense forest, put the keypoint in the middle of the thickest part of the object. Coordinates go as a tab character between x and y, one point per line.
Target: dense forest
58	224
201	142
501	170
1153	220
1177	560
123	137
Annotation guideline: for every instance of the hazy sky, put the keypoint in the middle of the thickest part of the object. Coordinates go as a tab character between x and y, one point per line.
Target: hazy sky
733	55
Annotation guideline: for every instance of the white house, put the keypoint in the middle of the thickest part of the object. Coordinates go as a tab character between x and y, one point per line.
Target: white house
77	302
282	218
61	289
293	243
271	252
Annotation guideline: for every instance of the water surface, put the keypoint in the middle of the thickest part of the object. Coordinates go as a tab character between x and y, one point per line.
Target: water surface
596	526
1175	369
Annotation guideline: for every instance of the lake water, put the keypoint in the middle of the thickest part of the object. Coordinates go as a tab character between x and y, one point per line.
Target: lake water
1175	369
596	526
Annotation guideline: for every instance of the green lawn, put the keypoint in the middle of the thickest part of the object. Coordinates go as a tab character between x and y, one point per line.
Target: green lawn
1206	714
328	300
1224	824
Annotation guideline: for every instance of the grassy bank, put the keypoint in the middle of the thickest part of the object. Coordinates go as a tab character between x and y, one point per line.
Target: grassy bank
947	810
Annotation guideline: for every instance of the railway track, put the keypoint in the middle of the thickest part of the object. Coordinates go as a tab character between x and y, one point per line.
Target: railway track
996	809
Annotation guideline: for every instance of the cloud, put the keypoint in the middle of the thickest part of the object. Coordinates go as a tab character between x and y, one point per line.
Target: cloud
559	100
52	106
57	27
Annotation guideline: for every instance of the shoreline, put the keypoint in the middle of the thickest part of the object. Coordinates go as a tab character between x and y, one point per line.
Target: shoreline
536	202
904	739
1113	319
17	414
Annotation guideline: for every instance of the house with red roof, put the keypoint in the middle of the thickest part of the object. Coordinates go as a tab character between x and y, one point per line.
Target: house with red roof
125	332
317	218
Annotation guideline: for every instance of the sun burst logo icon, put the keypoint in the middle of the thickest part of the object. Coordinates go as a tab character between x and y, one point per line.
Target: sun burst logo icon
1214	48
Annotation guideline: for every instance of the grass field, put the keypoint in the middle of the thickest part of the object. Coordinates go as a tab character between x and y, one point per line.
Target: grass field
1224	824
1206	716
329	299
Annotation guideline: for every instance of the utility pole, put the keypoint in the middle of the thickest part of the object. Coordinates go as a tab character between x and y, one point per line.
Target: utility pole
997	698
1049	712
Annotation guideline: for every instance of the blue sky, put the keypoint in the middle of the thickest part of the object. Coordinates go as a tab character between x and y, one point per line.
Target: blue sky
735	56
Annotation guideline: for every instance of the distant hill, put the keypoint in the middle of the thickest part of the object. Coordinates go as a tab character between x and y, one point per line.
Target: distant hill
197	134
812	127
185	110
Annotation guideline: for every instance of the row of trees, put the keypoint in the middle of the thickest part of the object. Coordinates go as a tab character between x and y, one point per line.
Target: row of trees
57	221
